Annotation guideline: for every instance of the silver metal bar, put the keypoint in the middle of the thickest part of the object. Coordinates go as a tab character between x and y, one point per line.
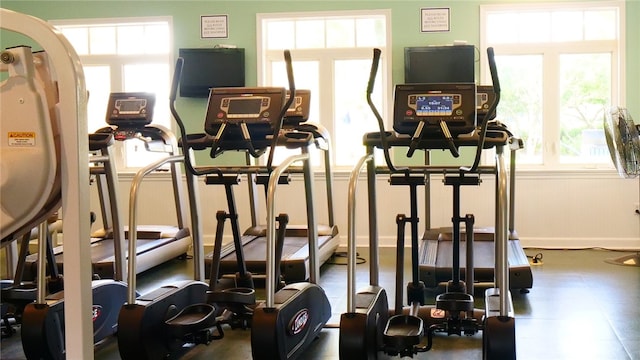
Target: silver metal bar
103	198
253	197
351	232
106	175
418	131
133	236
312	223
117	228
512	190
501	246
170	139
11	253
374	255
98	159
329	181
271	224
42	262
196	229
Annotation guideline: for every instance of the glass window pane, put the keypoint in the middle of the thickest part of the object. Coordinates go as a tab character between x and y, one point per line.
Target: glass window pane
370	32
79	38
281	34
156	39
306	76
567	26
98	82
500	28
600	25
102	40
131	39
352	116
578	83
340	33
151	78
534	27
585	91
521	102
150	72
310	34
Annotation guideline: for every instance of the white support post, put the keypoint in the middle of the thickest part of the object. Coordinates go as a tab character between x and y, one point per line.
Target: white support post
72	115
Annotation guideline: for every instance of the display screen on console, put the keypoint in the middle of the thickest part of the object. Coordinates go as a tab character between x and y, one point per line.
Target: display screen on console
130	109
131	106
251	106
431	105
434	105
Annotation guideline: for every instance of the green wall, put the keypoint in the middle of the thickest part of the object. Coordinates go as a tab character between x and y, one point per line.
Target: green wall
405	27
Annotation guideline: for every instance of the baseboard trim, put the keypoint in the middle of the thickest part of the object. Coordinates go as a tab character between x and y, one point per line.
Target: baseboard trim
631	244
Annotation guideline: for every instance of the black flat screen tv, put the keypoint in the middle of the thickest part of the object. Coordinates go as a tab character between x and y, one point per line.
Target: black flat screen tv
439	64
208	68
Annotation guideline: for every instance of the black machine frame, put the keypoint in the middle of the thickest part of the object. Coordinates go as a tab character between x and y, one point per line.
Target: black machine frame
199	310
368	326
294	263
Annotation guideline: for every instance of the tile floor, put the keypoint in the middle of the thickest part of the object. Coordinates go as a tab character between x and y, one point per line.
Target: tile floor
580	307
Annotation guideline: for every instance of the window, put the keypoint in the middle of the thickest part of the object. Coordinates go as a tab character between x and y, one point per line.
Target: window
331	55
560	66
123	55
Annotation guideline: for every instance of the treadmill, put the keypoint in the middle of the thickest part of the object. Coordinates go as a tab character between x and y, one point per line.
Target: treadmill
435	249
294	265
129	116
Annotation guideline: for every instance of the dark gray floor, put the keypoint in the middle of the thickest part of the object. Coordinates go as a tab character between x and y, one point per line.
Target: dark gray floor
580	307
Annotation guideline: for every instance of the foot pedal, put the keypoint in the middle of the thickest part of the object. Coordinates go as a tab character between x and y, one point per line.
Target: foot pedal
402	334
238	296
454	302
191	319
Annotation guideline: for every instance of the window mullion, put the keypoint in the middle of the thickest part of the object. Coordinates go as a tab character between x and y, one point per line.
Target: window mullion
551	109
326	100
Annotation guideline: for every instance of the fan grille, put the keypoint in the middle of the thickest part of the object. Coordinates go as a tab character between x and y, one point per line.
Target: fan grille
624	142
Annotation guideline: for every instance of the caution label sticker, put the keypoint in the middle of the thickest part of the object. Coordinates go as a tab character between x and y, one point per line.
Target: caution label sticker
22	138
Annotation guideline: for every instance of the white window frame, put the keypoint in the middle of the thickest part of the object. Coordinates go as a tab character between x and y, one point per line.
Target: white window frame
550	51
328	55
116	63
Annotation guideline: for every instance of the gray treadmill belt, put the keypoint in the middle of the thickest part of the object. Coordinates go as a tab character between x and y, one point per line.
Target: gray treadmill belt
436	261
102	255
295	256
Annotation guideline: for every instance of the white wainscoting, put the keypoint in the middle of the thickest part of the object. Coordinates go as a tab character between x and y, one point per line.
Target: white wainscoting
569	209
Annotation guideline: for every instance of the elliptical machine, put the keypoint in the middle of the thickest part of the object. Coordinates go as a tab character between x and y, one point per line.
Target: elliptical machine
161	323
429	116
294	264
243	119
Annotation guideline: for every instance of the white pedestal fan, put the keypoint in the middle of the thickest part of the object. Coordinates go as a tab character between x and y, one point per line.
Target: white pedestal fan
624	146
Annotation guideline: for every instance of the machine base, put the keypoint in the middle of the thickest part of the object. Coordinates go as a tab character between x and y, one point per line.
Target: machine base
285	331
